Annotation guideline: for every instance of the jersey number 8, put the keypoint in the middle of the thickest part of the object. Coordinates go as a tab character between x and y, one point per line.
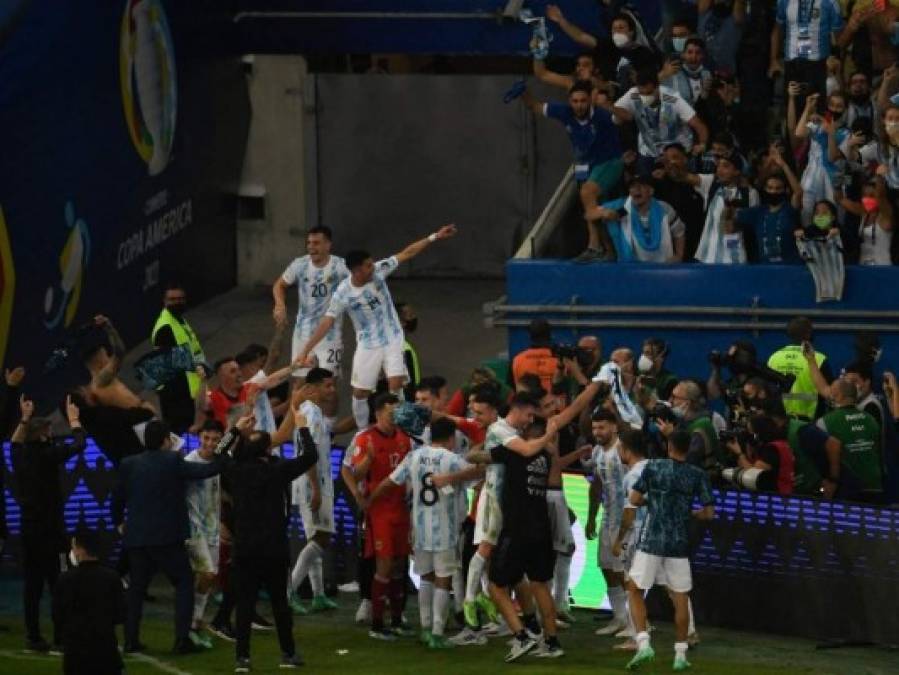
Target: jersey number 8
428	494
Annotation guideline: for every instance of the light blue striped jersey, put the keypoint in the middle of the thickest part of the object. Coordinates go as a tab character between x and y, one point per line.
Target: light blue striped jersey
498	433
434	515
203	503
807	26
321	434
315	288
630	479
610	472
370	308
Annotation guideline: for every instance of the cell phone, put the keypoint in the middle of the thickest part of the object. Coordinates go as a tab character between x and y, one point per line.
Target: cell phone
804	87
807	348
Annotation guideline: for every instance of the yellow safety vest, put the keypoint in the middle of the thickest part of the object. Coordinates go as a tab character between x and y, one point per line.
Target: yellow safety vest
184	334
802	399
415	375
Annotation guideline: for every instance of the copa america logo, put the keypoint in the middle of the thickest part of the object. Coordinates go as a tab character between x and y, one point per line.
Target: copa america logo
148	81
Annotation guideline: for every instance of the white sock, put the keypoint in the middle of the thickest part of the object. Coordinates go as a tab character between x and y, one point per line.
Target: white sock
680	649
561	576
317	577
458	585
475	570
425	601
619	603
200	606
691	628
642	640
310	553
631	626
360	412
441	604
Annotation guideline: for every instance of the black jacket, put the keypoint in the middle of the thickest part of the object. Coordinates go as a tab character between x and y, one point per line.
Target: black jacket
151	487
36	467
257	488
88	602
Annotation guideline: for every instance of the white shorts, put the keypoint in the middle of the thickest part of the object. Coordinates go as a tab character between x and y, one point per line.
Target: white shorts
327	353
204	559
368	364
607	560
649	570
441	563
559	521
318	521
489	520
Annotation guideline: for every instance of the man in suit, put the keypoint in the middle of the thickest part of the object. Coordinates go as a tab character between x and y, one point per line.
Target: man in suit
151	487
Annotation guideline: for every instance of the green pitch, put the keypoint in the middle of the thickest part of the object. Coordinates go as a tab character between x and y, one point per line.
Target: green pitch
332	643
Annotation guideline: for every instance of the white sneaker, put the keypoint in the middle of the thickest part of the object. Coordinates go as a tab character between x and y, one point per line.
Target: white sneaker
351	587
520	648
536	637
611	628
500	629
468	637
626	633
363	614
545	651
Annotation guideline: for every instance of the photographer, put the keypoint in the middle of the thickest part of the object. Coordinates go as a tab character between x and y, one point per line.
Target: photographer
651	365
739	355
578	365
763	457
538	358
688	406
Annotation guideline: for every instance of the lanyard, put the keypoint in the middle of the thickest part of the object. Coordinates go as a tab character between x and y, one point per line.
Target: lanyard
804	12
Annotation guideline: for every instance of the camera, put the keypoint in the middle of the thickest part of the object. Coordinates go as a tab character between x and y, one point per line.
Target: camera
740	434
663	412
747	479
583	356
742	362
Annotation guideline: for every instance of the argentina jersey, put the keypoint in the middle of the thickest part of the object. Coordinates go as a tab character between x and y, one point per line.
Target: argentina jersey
611	472
315	288
808	26
499	433
318	429
434	515
630	479
370	308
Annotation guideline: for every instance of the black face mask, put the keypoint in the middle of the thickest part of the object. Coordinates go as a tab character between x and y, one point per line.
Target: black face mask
177	309
861	99
773	198
410	325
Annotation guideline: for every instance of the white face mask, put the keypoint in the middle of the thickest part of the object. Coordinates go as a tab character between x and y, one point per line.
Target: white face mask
891	126
680	411
644	364
647	99
72	559
815	128
621	39
679	43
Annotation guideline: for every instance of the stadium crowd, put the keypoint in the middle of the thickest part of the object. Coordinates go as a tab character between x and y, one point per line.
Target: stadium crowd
468	481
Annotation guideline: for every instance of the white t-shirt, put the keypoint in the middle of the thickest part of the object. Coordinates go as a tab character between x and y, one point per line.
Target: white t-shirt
370	308
315	287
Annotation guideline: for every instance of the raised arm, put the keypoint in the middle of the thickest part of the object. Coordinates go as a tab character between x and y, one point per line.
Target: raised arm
702	131
111	369
814	371
61	451
417	247
544	74
554	14
583	399
532	447
279	292
26	408
801	128
885	216
274	347
774	65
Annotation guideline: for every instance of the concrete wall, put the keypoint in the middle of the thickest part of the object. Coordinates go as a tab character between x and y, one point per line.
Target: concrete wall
274	163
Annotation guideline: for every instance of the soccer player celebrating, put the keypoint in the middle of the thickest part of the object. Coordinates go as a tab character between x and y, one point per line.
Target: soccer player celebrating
668	487
379	450
316	275
379	335
314	492
436	525
203	504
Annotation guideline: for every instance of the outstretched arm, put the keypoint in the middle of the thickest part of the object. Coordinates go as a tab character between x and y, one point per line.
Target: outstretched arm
553	13
109	371
323	327
544	74
417	247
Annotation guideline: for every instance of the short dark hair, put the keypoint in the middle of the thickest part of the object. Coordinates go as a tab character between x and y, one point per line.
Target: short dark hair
647	76
523	399
87	539
634	441
356	258
487	396
323	230
699	42
212	425
318	375
603	415
584	86
586	55
244	358
155	434
173	285
767	429
530	382
799	329
257	350
675	146
861	368
724	138
621	16
680	441
432	383
383	399
658	345
222	361
539	331
442	429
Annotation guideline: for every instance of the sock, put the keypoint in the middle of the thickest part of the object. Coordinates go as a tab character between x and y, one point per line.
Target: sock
200	606
360	412
619	603
396	592
522	636
553	640
485	583
310	553
317	577
378	597
631	626
530	622
642	640
691	628
441	605
475	570
561	576
680	649
425	601
458	585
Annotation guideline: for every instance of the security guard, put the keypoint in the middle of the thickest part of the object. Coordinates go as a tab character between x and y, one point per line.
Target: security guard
409	319
171	329
802	399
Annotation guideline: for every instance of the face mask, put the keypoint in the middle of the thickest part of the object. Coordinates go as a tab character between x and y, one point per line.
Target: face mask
647	99
822	221
411	325
692	70
870	204
680	411
644	364
177	309
621	39
679	43
860	99
72	559
773	198
891	127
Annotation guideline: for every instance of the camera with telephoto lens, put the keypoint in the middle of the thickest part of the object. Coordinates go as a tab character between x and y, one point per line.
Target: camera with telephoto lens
748	479
739	433
662	412
742	362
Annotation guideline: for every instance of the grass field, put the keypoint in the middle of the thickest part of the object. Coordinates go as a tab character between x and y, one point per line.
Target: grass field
331	643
